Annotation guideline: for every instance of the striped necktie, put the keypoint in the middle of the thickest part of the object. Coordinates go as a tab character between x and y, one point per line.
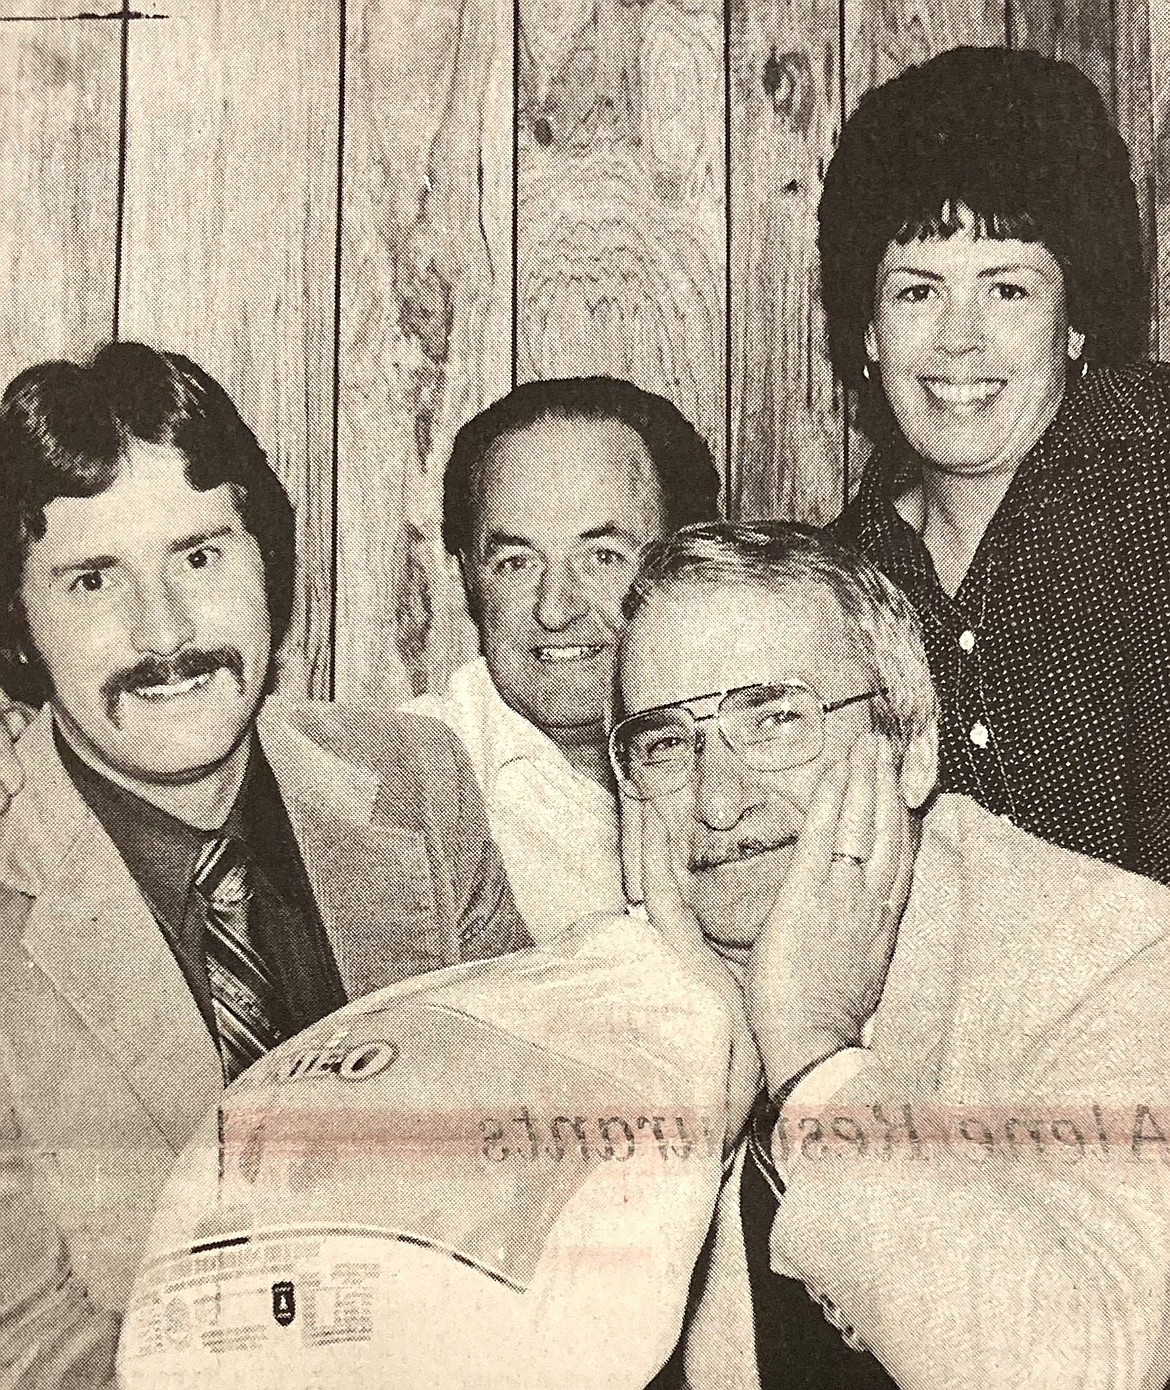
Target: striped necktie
242	993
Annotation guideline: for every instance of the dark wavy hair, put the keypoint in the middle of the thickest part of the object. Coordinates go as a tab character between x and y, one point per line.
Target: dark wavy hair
64	427
681	456
1027	144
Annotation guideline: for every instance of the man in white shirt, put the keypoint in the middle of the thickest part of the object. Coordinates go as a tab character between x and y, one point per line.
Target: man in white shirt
549	495
956	1171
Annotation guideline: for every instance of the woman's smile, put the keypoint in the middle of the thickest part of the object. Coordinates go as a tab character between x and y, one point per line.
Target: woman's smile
963	397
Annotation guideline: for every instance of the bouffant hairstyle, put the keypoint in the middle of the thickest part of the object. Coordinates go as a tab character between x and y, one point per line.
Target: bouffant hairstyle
682	461
64	428
1028	146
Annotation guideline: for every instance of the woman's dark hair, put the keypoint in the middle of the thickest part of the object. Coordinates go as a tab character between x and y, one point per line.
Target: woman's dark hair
1027	144
64	429
682	461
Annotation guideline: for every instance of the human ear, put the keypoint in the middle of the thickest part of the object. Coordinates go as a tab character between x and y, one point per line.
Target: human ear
919	771
470	590
871	350
1076	344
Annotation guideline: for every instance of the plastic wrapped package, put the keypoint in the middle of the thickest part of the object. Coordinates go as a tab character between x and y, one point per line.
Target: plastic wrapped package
499	1175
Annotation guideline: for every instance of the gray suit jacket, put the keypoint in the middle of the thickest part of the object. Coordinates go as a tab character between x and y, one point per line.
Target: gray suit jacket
1023	1241
109	1062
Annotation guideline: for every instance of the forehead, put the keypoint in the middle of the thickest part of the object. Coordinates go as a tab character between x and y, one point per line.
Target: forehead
556	479
705	637
963	253
149	503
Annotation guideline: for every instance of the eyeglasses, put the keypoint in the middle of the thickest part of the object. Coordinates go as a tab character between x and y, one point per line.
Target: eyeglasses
772	727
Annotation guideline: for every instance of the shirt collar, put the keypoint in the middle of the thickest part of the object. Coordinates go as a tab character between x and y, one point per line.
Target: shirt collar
505	736
158	849
1092	411
881	531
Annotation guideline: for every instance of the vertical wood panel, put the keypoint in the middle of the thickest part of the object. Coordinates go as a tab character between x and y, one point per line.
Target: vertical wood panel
1079	31
882	37
1160	170
787	421
229	241
621	237
59	105
425	318
1133	87
1110	41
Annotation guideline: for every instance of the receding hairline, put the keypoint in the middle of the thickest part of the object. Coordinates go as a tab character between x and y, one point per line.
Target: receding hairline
777	583
638	461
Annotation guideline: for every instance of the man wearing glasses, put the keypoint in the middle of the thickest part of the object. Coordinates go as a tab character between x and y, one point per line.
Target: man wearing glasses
955	1171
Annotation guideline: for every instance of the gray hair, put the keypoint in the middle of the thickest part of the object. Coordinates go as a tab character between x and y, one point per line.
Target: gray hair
772	555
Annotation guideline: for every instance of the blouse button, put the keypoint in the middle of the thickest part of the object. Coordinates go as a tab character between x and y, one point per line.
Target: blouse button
980	734
967	641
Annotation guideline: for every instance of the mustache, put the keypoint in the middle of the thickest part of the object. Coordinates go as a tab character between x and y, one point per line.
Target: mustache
185	666
712	856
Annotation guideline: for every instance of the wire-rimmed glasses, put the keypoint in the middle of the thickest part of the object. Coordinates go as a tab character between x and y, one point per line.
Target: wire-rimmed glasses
773	726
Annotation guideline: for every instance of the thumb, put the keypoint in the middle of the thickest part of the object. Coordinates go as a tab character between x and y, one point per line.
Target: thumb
668	911
16	719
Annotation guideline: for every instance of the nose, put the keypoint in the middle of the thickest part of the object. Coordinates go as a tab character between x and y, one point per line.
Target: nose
559	600
961	326
160	624
723	791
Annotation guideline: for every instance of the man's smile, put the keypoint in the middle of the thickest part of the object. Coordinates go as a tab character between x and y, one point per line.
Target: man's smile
712	858
163	681
171	690
579	652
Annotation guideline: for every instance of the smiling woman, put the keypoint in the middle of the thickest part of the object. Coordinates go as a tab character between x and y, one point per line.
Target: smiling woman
982	276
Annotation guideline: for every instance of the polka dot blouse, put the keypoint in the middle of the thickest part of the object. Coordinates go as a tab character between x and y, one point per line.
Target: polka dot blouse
1052	661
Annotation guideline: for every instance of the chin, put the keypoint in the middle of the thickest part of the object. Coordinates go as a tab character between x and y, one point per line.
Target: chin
730	925
567	709
177	766
176	754
733	901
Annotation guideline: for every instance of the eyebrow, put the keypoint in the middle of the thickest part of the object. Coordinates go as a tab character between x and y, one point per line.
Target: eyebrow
106	562
919	273
502	540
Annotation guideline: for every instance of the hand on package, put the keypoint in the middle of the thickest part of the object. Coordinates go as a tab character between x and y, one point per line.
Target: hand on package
674	920
14	719
818	967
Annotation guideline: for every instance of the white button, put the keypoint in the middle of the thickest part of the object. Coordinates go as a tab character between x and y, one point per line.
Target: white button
967	640
980	734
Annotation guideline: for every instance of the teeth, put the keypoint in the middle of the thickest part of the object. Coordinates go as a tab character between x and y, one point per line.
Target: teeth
962	392
567	653
172	690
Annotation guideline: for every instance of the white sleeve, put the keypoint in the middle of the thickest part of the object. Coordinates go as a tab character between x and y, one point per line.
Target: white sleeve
966	1260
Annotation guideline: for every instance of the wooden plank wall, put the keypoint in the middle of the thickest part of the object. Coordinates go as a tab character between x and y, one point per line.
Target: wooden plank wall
425	318
368	217
621	184
60	92
228	240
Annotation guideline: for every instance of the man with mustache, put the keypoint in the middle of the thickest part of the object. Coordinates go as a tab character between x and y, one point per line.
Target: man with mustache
547	499
955	1172
188	877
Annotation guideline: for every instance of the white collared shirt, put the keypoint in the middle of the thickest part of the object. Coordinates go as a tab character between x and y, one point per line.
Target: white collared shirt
556	828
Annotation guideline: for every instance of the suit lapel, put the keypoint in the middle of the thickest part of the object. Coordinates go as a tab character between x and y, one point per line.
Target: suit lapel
371	880
308	773
92	934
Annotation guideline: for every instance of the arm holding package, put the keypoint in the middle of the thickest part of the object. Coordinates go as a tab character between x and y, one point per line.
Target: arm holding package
1022	1241
51	1336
